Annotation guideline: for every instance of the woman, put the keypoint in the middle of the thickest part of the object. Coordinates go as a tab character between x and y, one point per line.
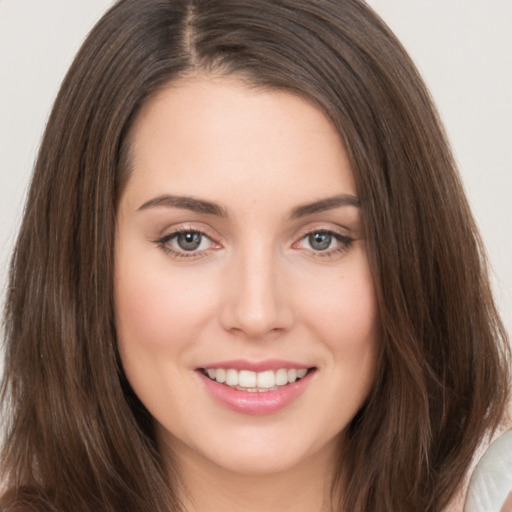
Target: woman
247	276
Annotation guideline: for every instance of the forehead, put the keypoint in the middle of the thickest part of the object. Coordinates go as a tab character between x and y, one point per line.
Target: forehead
219	136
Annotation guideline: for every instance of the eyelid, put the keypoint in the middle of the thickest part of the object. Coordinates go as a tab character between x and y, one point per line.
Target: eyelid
185	227
345	240
325	228
164	240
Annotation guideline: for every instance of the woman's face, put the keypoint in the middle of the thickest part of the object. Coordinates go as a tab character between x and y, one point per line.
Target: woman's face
241	265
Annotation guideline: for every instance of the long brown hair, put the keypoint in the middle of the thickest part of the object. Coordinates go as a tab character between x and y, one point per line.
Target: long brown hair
77	438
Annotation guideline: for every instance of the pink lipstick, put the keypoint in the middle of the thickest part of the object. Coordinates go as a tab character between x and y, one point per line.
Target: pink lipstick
257	388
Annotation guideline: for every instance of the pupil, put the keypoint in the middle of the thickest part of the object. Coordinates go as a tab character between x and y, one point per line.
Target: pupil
320	241
189	241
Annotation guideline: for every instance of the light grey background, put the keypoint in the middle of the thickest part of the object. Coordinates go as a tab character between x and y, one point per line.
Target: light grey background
463	48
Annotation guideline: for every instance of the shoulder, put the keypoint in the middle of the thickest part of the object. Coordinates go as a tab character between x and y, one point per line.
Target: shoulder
488	483
490	487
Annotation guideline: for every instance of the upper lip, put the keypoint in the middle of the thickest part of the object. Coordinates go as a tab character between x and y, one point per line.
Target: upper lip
256	366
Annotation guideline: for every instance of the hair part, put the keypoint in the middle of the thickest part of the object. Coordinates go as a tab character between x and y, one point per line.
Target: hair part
77	437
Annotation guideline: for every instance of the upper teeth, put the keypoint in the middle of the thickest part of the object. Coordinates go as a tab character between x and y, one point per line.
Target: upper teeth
255	381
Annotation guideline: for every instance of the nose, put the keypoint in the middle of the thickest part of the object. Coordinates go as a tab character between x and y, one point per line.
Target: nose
256	302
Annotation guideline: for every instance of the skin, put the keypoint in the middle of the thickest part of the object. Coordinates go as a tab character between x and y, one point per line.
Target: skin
507	506
255	289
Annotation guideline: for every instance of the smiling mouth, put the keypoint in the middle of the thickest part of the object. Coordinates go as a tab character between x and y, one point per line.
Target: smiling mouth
246	380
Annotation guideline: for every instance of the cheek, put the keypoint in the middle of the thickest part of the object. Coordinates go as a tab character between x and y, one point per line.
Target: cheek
341	313
156	309
344	311
159	318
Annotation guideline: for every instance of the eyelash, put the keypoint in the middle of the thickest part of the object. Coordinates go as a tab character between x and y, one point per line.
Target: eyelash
344	243
164	243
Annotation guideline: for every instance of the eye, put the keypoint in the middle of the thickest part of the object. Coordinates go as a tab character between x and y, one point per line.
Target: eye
189	240
324	242
320	241
185	243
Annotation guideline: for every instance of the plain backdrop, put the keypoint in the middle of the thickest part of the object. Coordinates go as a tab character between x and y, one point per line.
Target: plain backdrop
463	48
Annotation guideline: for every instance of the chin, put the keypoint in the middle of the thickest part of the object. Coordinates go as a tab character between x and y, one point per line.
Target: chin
257	452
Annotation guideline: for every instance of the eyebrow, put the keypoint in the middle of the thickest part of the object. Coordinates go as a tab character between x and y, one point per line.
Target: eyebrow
187	203
325	204
207	207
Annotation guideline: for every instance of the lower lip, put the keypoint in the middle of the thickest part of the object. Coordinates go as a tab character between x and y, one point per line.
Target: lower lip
258	402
